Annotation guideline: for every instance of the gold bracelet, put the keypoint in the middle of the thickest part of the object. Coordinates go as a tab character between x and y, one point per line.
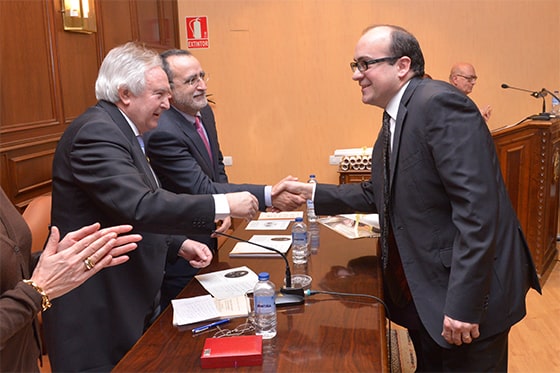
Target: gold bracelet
46	303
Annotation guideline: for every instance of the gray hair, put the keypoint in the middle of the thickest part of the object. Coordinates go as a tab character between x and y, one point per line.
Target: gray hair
125	66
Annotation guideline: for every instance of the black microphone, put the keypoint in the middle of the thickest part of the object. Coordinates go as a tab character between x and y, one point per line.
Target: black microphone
290	295
533	93
540	94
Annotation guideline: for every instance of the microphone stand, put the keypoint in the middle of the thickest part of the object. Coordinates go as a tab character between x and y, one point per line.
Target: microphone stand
550	93
291	295
542	94
288	271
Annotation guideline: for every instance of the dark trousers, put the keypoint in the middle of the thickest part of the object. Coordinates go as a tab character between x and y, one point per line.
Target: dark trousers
487	355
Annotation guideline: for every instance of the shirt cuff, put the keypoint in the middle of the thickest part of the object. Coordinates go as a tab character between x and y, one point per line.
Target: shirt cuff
268	195
313	191
222	206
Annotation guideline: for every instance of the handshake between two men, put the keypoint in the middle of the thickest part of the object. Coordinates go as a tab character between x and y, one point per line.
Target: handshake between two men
287	195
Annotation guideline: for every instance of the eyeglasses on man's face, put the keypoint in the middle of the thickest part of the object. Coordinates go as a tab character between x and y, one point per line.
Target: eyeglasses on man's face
194	79
363	65
469	78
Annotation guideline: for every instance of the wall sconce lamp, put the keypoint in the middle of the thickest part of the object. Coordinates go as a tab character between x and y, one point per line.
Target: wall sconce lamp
79	16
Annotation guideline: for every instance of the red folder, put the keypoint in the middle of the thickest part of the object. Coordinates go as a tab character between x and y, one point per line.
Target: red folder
232	352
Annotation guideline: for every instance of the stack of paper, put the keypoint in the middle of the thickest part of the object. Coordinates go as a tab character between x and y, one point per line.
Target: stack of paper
283	215
229	282
192	310
267	225
279	242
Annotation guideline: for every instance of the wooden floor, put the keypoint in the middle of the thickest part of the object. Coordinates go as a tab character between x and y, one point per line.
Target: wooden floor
535	341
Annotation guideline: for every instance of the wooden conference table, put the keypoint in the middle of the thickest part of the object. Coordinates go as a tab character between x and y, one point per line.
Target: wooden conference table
326	334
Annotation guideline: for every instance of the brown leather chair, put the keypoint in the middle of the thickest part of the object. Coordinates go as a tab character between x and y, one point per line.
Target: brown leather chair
38	217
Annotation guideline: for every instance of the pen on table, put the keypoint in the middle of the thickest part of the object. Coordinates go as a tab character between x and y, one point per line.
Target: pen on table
203	328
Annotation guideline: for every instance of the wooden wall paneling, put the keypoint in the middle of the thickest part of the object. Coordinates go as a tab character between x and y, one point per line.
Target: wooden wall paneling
169	24
157	23
26	170
30	104
115	21
148	22
31	116
78	63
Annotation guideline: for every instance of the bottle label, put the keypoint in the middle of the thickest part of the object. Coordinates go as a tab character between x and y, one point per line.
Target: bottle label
265	304
299	238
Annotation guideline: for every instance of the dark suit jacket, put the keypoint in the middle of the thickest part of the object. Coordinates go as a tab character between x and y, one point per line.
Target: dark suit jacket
462	249
101	175
181	161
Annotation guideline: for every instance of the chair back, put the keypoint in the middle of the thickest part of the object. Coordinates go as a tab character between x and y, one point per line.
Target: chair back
37	215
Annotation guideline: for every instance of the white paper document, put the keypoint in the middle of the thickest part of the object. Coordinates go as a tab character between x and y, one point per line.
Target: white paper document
228	283
192	310
283	215
279	242
268	225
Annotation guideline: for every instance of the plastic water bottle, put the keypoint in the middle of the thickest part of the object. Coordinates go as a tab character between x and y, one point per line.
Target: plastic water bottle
555	109
264	294
313	234
299	242
311	217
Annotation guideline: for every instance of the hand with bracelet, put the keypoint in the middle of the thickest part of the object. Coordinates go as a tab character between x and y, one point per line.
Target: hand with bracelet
65	265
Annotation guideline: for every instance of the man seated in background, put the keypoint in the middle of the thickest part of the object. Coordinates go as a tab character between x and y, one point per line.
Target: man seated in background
463	76
185	154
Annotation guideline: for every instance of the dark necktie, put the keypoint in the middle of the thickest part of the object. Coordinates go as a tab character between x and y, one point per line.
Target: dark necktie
395	279
386	131
202	135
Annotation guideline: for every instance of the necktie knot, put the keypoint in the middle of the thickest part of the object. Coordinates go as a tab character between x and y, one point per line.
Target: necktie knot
387	128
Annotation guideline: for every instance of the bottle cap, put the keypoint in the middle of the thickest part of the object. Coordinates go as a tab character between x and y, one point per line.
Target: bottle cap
299	218
264	276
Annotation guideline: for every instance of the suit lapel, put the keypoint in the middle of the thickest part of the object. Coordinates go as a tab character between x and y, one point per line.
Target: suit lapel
136	152
188	129
400	123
